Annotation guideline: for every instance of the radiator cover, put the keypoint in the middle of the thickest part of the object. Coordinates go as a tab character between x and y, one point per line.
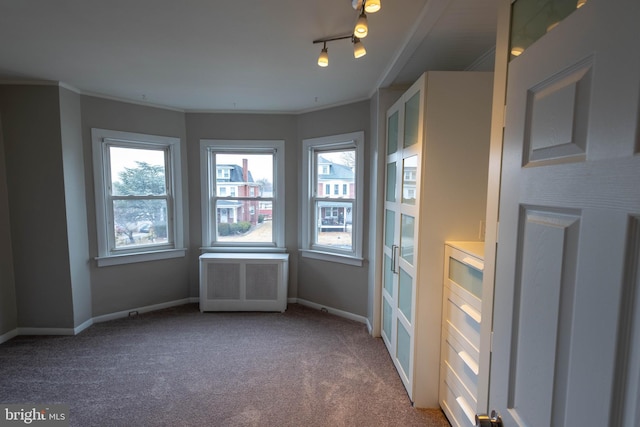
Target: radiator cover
243	282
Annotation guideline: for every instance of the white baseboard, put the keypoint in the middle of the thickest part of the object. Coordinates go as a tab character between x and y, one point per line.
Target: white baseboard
7	336
139	310
332	310
369	327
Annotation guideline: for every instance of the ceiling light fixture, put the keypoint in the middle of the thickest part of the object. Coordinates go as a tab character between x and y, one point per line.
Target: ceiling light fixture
360	31
358	49
323	59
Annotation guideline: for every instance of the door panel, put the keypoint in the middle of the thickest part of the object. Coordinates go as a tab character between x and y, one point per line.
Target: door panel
564	297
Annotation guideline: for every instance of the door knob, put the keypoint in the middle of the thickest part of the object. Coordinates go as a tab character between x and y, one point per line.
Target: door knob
492	420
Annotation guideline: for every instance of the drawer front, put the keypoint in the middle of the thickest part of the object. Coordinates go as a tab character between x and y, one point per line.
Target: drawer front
463	363
466	276
456	403
464	317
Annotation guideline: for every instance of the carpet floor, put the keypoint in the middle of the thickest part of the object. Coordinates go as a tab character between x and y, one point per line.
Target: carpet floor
180	367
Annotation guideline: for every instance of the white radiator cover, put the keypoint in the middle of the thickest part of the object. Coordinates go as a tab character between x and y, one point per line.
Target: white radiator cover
243	282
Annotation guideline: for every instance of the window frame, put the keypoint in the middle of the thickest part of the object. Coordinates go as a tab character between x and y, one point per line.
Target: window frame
208	185
308	220
108	254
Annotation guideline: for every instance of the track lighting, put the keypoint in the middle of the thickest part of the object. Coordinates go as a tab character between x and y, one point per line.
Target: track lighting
323	59
358	49
360	31
370	6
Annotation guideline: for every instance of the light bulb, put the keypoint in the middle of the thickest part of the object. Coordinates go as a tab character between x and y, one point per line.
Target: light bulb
580	3
358	49
362	28
517	50
323	59
372	6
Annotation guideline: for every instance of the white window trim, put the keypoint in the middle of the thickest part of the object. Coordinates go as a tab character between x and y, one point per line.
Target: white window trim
344	141
104	222
250	146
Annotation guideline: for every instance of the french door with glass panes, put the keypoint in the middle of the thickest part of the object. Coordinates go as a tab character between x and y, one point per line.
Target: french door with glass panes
403	161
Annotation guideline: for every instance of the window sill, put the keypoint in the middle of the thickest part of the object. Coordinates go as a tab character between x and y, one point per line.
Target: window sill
242	249
331	257
105	261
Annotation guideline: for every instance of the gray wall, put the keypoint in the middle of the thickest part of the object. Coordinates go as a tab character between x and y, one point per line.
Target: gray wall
49	275
244	127
8	309
76	205
122	287
33	150
339	286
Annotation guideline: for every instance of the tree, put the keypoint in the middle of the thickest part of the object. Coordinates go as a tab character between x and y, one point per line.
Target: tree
143	180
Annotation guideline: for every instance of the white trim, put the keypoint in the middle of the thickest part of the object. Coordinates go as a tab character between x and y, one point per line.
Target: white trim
82	326
331	310
140	257
207	177
353	140
331	257
7	336
100	138
140	310
46	331
369	327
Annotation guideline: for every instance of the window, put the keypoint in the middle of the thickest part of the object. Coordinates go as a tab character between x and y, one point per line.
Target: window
138	197
250	215
332	222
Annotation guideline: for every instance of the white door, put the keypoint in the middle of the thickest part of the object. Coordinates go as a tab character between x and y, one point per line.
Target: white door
566	328
404	147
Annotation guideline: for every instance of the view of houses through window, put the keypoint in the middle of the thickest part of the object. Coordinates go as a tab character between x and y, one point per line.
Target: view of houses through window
335	197
243	197
139	196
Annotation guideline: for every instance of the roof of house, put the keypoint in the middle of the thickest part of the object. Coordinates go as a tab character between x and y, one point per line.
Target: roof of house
235	174
336	170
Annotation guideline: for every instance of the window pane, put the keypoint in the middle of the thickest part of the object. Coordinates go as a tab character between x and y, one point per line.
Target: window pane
140	222
137	172
242	221
406	237
412	120
335	173
244	175
334	228
409	173
392	133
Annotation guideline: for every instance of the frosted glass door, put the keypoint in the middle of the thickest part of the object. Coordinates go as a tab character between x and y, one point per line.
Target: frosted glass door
404	136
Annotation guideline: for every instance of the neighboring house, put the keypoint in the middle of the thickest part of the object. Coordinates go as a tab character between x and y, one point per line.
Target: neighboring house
236	182
335	181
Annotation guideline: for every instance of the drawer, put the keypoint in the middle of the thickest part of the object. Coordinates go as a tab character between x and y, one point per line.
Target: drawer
463	316
457	404
467	273
463	363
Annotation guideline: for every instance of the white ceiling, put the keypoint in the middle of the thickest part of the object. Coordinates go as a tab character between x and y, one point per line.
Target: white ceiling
230	55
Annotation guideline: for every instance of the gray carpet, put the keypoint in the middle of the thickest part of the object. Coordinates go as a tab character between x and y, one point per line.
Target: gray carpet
178	367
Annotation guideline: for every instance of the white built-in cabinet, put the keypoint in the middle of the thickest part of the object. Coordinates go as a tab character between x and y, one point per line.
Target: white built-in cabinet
461	333
437	155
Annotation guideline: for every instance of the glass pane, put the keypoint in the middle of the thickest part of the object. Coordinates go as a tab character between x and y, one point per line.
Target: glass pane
409	174
334	228
392	133
389	228
466	276
405	294
388	276
137	172
403	351
391	182
406	238
412	120
532	19
386	319
244	175
240	221
140	222
335	174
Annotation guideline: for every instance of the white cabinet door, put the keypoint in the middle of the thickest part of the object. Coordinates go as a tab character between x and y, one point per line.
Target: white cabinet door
565	349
